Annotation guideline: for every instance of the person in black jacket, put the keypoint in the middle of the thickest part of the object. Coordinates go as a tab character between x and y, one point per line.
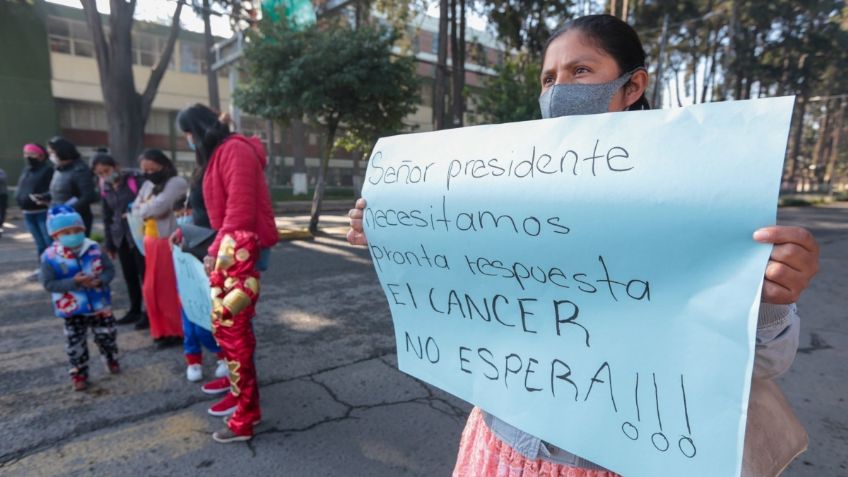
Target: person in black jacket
32	194
73	182
118	190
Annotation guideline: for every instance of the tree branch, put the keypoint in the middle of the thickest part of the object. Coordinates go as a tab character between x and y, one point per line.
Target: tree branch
159	70
98	38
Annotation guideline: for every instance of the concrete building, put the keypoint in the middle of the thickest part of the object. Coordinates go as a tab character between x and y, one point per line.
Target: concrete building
49	85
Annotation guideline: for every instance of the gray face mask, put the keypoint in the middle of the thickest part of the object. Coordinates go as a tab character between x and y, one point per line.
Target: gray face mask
576	98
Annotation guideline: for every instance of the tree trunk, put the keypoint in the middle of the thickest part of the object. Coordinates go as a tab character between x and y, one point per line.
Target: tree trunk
820	148
357	176
834	147
677	87
271	169
658	77
126	110
318	196
300	180
458	56
440	88
710	76
797	132
211	76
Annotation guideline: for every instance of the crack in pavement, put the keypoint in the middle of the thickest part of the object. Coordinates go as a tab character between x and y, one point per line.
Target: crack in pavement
430	400
347	415
11	458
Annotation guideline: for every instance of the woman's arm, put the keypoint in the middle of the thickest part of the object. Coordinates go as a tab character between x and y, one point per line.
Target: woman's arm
84	181
162	204
50	283
240	174
778	328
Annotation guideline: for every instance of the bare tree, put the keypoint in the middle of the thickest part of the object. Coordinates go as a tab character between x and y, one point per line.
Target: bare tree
440	86
127	110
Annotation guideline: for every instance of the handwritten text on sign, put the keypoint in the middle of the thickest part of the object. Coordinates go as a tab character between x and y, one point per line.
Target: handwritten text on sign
590	280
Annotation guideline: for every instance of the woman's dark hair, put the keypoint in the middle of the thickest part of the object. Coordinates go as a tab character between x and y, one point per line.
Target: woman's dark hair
160	158
613	36
207	131
64	149
103	159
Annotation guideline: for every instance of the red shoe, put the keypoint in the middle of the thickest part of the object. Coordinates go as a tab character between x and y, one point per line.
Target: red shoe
218	386
225	406
80	382
226	435
114	367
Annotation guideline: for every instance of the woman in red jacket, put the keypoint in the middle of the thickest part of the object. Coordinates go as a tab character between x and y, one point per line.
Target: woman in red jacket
239	204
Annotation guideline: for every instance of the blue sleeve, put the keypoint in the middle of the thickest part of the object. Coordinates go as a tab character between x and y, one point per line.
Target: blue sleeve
51	283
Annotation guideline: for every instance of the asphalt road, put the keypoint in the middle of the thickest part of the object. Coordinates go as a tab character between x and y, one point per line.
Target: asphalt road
333	400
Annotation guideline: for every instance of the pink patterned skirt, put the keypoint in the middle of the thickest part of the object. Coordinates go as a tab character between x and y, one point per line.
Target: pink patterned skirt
482	454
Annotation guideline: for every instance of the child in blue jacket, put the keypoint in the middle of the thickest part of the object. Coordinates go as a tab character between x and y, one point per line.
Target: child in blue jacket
77	274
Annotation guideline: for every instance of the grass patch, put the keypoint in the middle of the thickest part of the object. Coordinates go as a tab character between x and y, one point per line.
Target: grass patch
97	236
800	201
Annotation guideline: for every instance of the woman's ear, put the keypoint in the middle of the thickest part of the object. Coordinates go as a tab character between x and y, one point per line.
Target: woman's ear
635	88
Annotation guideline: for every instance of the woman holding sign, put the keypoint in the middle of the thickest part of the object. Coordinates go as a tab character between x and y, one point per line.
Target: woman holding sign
592	65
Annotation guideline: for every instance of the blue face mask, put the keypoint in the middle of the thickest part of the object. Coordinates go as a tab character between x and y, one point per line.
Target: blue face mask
72	240
191	145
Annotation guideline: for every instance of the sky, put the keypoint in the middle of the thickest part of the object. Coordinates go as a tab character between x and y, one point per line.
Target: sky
160	11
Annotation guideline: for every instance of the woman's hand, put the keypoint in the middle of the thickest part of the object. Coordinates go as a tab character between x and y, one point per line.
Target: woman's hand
356	235
208	264
793	262
176	238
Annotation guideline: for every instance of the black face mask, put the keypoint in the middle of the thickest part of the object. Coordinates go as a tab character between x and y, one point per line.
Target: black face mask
32	161
157	177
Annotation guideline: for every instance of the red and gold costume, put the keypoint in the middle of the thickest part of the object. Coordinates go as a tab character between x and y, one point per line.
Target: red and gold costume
235	290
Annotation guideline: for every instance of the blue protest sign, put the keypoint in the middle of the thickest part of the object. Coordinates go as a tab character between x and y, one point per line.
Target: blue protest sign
193	286
136	224
591	280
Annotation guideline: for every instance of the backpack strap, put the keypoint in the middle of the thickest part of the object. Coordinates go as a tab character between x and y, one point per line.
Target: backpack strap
132	184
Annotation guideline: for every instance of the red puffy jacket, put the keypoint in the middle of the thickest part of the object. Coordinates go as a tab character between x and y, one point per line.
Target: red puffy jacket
235	191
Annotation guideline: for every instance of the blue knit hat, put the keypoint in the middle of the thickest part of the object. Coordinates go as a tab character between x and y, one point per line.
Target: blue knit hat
63	217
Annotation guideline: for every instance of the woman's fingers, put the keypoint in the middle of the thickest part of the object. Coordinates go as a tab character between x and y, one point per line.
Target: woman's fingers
793	263
356	234
776	294
779	234
356	238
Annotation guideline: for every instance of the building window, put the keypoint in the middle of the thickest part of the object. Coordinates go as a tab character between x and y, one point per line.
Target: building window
147	49
70	37
476	53
73	115
73	37
192	58
435	44
427	93
159	122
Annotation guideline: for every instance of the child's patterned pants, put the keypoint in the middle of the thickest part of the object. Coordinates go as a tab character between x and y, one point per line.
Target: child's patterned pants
104	331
